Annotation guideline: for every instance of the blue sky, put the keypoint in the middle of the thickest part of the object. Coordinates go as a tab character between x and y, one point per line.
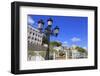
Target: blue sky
73	29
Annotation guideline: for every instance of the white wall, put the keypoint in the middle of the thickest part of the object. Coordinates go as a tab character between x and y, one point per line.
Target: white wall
5	27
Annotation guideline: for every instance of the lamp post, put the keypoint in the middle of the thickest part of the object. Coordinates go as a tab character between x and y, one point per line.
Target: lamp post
48	31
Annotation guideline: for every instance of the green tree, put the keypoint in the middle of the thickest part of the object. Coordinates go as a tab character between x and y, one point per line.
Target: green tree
55	43
80	49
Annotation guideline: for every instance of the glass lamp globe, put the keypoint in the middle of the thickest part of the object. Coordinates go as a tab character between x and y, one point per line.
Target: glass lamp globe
56	30
50	21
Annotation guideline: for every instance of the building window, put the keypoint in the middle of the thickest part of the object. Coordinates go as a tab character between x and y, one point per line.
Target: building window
28	41
31	42
35	39
32	38
33	33
30	32
28	37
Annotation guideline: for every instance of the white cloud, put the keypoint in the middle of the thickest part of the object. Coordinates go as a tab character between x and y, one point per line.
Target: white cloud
85	47
65	43
57	40
30	20
75	39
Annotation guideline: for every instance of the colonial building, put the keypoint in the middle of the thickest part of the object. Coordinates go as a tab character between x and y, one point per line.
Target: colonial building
61	50
34	36
71	53
34	39
76	54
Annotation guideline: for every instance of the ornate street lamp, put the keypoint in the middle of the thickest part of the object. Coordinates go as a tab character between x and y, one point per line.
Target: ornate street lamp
48	32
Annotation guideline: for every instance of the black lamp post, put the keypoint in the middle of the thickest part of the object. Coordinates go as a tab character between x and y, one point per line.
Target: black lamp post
48	32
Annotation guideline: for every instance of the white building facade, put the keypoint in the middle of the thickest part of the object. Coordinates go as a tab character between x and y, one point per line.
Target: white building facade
34	39
71	53
34	36
76	54
62	49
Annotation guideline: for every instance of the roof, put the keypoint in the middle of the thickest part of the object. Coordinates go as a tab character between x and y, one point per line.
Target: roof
33	28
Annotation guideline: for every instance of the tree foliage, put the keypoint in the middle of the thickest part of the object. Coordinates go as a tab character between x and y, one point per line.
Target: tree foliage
55	43
80	49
